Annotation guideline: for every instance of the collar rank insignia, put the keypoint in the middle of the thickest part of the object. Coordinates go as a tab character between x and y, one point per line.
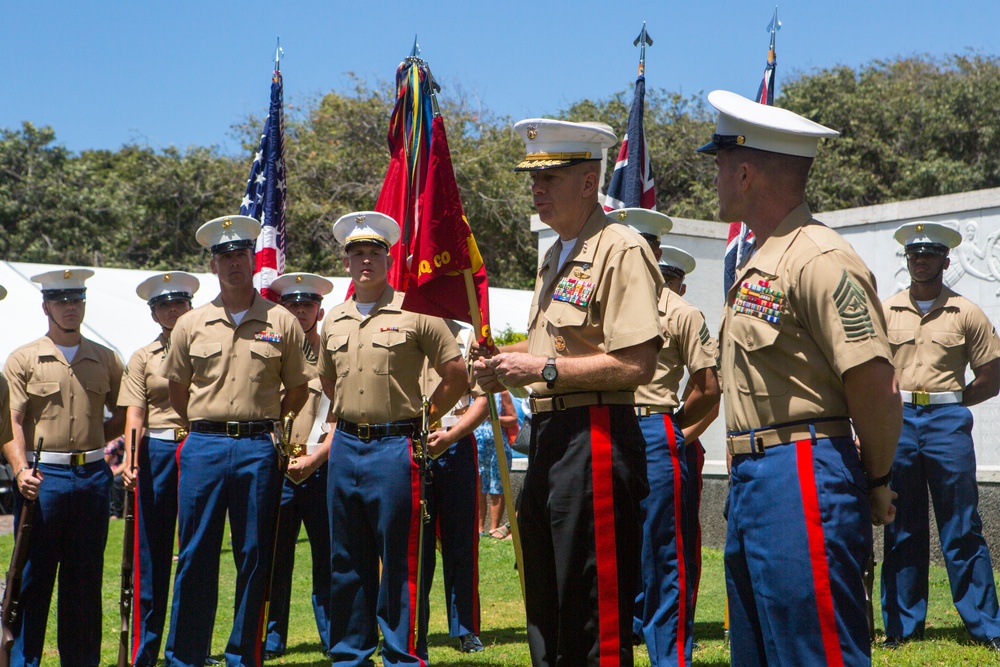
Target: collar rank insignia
759	300
574	291
269	336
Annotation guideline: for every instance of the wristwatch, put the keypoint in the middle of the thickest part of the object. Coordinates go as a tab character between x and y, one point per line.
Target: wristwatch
549	373
880	481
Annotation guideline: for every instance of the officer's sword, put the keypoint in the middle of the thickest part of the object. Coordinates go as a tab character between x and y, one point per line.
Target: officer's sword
284	454
420	458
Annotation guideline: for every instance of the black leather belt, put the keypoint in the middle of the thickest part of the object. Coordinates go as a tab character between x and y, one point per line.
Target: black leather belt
368	432
233	429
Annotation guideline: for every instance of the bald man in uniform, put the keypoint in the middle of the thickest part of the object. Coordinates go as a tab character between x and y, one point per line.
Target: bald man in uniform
303	493
159	432
227	364
60	386
936	335
593	337
804	357
663	602
371	356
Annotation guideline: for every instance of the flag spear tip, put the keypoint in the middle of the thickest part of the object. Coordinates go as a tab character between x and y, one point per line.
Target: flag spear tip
278	52
415	52
642	41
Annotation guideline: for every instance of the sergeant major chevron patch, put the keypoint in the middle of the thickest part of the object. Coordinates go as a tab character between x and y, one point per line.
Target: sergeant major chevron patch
853	309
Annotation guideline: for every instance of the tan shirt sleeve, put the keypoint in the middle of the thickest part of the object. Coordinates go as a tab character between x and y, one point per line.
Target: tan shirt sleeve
133	389
697	344
981	342
177	366
840	308
628	298
6	435
17	382
295	371
115	372
436	340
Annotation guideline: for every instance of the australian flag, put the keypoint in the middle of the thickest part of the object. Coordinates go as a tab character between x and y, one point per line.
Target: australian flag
632	181
265	195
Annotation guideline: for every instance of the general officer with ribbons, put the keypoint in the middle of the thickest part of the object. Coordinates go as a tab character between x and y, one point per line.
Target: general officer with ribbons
227	364
60	386
371	355
936	336
663	602
303	494
159	431
804	358
593	338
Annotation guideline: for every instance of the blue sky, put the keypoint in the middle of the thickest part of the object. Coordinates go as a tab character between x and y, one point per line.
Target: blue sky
111	72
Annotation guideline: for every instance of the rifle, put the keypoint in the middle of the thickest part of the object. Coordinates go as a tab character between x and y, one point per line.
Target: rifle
285	448
128	554
420	457
12	588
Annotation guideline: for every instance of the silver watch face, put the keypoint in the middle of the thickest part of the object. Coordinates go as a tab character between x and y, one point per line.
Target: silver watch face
549	372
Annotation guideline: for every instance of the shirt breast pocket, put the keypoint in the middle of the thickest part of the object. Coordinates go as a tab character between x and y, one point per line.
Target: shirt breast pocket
97	390
950	348
898	339
561	314
206	360
265	360
336	346
387	348
44	399
757	363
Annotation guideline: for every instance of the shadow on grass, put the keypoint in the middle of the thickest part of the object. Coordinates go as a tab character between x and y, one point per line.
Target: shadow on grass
491	637
709	630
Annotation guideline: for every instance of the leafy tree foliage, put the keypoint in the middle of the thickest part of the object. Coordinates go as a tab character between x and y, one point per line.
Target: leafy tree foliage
912	127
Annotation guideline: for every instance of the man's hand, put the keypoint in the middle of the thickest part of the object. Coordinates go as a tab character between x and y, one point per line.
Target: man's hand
883	511
28	484
438	442
302	467
509	369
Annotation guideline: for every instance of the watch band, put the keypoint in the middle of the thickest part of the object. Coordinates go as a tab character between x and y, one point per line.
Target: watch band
880	481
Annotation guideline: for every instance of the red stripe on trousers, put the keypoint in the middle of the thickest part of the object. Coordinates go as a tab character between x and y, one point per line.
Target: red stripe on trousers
605	547
668	425
136	573
413	547
817	554
697	519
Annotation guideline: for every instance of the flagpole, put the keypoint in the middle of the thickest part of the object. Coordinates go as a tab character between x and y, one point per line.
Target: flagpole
508	497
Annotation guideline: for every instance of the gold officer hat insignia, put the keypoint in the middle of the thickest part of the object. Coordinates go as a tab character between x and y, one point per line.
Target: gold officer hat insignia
227	223
622	215
532	132
298	279
67	274
920	228
166	277
360	219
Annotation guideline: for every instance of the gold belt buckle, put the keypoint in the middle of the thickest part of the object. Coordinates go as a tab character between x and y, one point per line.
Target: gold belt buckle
77	458
921	398
233	429
180	434
298	450
365	431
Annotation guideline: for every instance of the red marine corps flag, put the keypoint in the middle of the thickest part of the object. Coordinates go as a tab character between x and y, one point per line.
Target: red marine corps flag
436	262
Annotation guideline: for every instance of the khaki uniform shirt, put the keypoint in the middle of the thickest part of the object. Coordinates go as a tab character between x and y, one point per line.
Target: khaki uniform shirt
931	352
603	298
61	402
687	343
6	435
802	311
143	387
302	427
376	360
235	373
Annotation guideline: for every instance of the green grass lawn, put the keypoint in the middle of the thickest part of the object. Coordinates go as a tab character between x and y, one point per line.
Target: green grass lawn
503	634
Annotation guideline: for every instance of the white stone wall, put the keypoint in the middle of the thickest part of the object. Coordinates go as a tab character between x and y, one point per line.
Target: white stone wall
974	273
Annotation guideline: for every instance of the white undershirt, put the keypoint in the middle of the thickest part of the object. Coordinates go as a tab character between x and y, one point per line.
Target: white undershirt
69	352
924	306
238	317
567	248
364	308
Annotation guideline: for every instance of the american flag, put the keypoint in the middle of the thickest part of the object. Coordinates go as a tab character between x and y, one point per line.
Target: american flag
632	181
265	195
741	239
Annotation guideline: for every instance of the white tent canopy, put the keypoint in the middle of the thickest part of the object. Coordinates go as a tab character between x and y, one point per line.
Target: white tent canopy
119	319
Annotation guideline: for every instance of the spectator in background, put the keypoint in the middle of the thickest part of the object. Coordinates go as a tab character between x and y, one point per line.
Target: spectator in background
114	456
491	488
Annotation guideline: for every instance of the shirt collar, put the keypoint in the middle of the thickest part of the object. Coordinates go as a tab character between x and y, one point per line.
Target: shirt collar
765	259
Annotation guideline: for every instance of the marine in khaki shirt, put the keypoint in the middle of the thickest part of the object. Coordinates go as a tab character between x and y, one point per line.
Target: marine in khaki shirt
59	394
812	407
593	335
143	387
235	371
375	361
936	336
